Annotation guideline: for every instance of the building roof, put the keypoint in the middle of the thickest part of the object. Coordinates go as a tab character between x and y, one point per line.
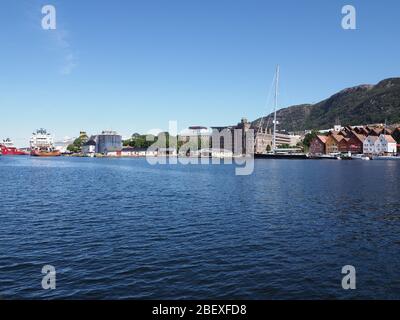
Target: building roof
198	128
133	149
338	138
389	138
359	136
322	138
372	138
90	143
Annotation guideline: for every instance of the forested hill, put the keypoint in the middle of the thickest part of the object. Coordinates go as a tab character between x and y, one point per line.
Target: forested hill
364	104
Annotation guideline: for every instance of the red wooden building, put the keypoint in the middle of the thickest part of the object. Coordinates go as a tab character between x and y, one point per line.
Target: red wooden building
317	145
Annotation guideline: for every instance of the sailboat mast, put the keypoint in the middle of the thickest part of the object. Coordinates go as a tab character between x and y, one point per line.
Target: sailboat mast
275	107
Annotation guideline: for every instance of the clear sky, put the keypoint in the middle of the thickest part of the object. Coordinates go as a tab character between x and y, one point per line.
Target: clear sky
132	65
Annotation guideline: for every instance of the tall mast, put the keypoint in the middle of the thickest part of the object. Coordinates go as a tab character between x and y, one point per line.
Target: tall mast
275	107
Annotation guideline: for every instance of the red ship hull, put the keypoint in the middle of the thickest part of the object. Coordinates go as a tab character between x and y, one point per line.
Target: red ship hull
40	153
12	151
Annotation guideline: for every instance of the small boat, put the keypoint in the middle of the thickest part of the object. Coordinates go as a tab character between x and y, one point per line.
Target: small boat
360	157
325	157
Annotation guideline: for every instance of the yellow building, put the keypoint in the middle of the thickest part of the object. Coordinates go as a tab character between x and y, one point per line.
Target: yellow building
332	143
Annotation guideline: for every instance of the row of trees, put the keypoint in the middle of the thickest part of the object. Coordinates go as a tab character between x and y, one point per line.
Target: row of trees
163	140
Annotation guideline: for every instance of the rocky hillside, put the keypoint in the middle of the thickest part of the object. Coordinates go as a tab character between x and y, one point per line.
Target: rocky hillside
365	104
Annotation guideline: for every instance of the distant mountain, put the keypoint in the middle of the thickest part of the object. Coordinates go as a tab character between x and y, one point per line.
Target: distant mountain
364	104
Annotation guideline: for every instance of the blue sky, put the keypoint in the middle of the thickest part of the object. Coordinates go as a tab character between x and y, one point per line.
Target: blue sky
134	65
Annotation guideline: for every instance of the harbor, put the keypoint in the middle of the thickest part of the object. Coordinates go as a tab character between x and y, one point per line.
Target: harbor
153	232
367	142
261	140
199	159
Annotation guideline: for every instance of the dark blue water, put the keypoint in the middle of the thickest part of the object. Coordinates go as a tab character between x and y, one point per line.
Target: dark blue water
120	228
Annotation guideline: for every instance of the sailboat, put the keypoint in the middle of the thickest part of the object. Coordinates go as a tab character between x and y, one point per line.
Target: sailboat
275	152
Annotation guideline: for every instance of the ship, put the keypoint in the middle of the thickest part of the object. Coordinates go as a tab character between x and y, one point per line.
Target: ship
8	149
42	144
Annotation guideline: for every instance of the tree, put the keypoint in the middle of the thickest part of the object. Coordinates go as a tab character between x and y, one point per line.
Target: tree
73	148
309	137
140	141
76	146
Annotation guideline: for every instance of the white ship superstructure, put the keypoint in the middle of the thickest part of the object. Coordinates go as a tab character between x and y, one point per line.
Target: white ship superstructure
42	140
8	143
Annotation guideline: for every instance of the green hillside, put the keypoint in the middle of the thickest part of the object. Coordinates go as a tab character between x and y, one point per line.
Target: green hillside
365	104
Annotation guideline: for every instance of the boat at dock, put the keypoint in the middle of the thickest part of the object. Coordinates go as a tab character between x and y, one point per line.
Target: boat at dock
42	144
385	158
8	149
279	153
281	156
360	157
45	153
324	157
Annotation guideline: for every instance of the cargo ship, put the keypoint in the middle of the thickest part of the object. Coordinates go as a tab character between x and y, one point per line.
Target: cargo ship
42	144
8	149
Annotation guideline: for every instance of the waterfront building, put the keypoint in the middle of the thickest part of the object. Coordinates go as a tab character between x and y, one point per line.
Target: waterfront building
344	141
343	145
332	143
233	139
89	147
195	137
369	145
385	144
355	143
264	140
165	152
318	145
132	151
238	140
108	142
370	140
137	152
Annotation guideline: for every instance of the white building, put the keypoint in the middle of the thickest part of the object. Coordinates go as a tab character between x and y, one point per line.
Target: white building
137	152
89	148
165	152
63	145
385	144
369	145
